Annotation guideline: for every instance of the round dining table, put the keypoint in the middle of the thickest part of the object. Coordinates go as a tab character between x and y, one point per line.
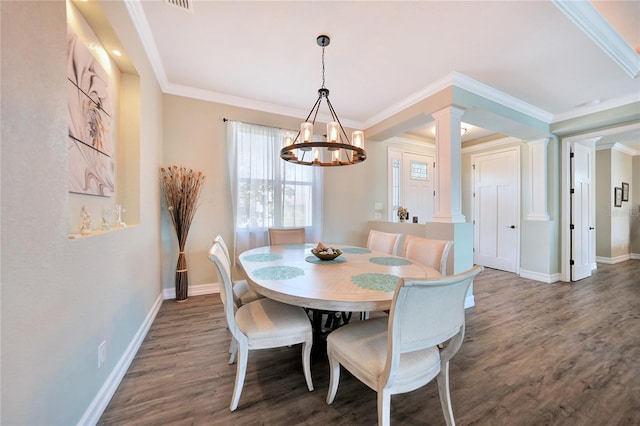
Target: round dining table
358	280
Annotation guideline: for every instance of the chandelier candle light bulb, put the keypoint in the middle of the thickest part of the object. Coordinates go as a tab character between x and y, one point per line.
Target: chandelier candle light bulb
306	132
332	132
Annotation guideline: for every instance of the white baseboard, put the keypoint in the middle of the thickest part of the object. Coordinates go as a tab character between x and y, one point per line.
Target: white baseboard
194	290
538	276
101	400
635	256
613	260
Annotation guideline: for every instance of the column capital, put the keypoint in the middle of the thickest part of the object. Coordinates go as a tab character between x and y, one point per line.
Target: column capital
450	111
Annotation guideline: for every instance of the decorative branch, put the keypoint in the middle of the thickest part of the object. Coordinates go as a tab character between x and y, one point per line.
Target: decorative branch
181	188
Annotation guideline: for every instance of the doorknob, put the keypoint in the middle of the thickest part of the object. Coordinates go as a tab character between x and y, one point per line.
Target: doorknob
591	228
512	227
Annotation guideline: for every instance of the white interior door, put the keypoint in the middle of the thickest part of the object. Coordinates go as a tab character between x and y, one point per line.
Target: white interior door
582	219
417	185
496	213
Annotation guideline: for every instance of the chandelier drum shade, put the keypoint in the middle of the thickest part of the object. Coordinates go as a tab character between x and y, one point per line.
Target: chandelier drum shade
337	148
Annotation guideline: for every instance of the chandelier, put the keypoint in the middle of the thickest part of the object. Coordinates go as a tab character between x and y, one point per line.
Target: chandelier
337	150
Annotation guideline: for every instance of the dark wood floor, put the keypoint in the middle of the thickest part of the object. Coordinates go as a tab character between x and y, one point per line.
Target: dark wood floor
534	354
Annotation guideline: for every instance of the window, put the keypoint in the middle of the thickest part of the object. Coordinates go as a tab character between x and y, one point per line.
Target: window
419	170
395	186
267	191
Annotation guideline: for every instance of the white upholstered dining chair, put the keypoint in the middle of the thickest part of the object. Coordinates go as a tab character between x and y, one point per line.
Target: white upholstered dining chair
261	324
383	241
406	350
434	253
242	293
278	236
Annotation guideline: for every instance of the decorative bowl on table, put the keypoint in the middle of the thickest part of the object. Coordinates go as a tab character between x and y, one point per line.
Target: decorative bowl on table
325	253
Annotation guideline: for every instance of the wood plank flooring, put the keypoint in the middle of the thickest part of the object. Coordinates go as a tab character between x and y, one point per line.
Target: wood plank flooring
534	354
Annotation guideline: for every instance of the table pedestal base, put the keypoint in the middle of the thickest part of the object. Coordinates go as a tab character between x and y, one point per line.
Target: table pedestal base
334	319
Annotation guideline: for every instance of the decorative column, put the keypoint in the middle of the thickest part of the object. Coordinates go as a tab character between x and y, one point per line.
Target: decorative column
448	185
538	180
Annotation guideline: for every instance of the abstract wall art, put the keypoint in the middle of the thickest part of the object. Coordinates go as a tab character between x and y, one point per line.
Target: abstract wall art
91	162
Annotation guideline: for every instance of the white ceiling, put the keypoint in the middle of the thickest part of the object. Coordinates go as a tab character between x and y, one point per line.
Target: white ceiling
386	54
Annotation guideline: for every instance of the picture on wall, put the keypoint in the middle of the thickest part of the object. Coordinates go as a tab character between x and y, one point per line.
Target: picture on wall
91	163
625	191
617	197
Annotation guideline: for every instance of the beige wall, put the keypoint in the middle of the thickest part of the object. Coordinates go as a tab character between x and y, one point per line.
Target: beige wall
604	203
620	216
616	227
61	298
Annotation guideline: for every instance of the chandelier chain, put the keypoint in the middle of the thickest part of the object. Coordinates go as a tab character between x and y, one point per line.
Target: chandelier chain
323	86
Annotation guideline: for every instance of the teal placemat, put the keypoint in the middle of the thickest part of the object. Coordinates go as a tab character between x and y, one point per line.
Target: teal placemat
390	261
278	273
262	257
297	246
374	281
313	259
355	250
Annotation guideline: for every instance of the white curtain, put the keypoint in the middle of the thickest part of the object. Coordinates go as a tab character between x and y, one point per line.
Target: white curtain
267	191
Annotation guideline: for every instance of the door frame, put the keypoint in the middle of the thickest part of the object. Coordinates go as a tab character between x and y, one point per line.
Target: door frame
518	152
565	191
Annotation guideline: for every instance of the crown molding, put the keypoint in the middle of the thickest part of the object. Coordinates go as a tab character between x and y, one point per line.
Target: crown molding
142	27
616	146
413	99
412	142
237	101
488	92
491	144
467	83
589	20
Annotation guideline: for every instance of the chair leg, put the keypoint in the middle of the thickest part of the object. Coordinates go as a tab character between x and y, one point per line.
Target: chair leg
241	371
306	361
445	395
334	378
233	350
384	407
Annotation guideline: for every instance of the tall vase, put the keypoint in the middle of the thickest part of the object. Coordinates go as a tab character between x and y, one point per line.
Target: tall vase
182	279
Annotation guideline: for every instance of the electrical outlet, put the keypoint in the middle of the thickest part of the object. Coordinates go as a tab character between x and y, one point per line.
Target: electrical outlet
102	353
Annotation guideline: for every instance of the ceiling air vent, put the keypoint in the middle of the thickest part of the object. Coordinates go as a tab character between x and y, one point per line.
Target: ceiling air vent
182	4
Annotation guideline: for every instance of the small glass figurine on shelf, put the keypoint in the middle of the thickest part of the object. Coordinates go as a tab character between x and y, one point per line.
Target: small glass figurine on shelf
119	211
106	216
85	227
